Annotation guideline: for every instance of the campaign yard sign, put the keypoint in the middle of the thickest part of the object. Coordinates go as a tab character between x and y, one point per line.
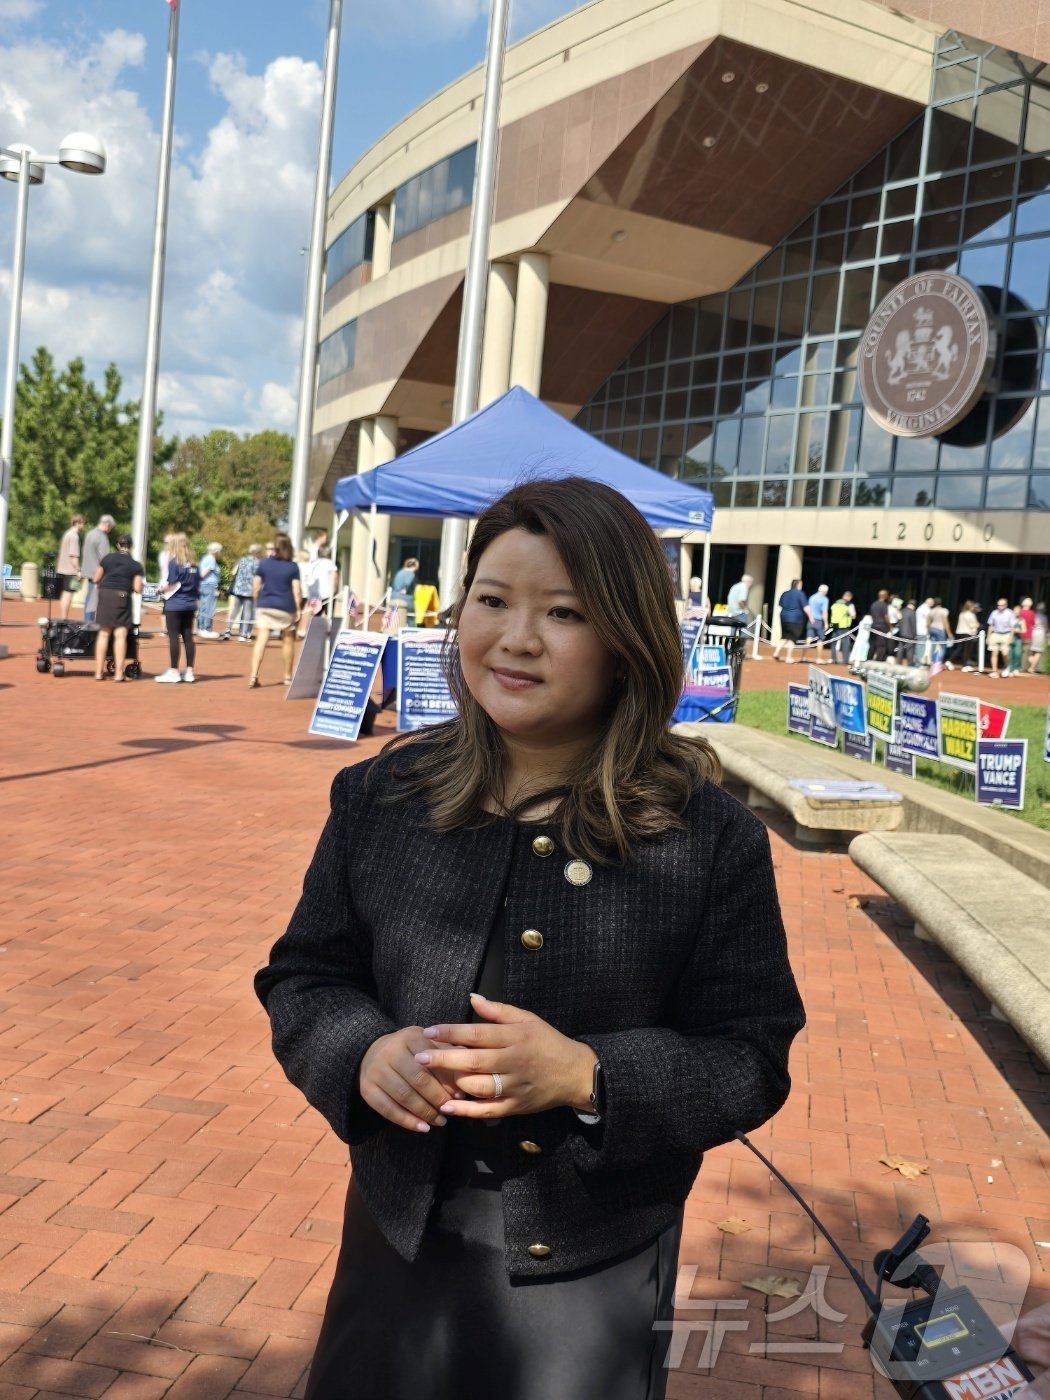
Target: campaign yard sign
860	746
423	695
898	760
352	669
917	726
994	721
958	729
1001	765
690	629
716	678
710	656
822	728
798	710
882	705
848	697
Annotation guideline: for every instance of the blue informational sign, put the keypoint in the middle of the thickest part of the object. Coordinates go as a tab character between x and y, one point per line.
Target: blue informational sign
897	761
1001	765
860	746
917	725
422	692
711	656
848	697
690	629
340	708
798	709
716	678
12	584
151	593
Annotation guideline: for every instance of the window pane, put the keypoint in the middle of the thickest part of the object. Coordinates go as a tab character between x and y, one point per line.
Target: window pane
1030	271
950	136
1013	451
916	454
959	492
910	492
1007	493
1039	493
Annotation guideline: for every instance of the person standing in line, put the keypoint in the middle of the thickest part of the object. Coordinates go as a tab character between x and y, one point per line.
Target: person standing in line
278	607
1000	635
794	614
738	603
181	592
209	572
842	616
116	578
922	631
880	625
164	559
816	629
242	604
402	591
940	631
324	581
95	549
967	626
67	565
1037	642
1024	624
907	631
525	1119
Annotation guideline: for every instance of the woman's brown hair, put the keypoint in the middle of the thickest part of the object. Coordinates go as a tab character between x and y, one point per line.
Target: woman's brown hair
636	779
282	547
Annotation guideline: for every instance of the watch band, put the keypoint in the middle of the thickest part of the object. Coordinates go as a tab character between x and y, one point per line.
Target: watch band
597	1108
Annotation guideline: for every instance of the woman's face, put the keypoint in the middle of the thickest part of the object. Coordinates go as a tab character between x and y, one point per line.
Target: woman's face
530	657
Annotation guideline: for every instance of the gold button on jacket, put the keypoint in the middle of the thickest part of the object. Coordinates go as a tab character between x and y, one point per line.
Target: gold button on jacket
532	939
540	1251
543	846
533	1148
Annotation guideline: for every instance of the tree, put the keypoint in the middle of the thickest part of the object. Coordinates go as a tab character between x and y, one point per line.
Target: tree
74	451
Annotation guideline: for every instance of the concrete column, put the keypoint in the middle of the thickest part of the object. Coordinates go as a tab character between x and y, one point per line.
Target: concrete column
530	321
359	563
383	238
499	333
755	561
789	566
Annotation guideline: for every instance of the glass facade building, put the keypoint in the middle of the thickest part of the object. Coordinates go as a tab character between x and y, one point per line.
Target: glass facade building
753	393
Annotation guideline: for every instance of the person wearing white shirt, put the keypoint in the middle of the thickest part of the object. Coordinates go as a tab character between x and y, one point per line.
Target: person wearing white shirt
922	631
1000	635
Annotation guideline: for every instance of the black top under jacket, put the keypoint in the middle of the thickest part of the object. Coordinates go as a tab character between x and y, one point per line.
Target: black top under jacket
672	967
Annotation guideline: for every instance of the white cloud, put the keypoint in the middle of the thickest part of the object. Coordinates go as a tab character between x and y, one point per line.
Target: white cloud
19	9
240	212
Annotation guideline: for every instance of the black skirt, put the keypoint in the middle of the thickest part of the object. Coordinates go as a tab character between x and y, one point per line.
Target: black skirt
452	1325
114	607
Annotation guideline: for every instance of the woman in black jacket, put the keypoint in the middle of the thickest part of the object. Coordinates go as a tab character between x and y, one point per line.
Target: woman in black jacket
538	968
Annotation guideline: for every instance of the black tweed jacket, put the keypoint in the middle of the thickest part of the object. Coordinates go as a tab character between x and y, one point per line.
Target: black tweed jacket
673	968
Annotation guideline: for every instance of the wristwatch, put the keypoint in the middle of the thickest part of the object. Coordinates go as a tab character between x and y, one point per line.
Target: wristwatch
597	1108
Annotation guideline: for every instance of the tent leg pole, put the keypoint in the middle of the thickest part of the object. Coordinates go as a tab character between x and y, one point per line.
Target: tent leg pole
705	582
371	565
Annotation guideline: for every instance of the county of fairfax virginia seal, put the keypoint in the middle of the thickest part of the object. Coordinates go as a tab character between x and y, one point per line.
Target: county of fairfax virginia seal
927	355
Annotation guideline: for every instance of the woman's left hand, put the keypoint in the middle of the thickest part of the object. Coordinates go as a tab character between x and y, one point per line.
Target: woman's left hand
540	1068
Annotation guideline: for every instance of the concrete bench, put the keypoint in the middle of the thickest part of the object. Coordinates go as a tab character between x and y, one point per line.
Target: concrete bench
767	764
987	916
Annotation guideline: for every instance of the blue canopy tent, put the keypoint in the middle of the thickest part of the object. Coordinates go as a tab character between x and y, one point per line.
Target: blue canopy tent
517	438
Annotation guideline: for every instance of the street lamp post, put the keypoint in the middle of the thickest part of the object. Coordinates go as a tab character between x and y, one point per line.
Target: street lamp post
20	164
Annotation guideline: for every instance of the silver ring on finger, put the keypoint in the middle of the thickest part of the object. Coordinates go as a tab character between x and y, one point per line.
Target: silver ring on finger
497	1084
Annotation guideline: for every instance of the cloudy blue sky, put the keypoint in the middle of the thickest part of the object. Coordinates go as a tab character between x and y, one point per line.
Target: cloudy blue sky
246	116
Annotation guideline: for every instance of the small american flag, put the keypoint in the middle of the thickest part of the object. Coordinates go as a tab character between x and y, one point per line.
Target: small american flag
174	4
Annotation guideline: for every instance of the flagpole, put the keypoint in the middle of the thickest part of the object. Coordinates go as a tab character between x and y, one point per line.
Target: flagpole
315	274
475	283
148	412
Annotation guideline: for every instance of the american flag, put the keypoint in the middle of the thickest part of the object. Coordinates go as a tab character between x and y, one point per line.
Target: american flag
174	4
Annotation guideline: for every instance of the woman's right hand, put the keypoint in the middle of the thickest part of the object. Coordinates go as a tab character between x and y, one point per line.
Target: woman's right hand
398	1088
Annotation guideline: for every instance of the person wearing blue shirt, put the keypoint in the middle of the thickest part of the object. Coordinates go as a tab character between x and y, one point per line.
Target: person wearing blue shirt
818	621
794	614
182	592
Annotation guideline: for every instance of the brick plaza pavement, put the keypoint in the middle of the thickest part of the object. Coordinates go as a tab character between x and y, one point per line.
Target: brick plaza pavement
169	1207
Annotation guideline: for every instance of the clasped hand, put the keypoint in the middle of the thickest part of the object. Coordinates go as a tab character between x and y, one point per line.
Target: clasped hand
418	1076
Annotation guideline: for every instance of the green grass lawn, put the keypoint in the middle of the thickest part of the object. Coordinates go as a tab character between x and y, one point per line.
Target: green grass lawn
767	709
